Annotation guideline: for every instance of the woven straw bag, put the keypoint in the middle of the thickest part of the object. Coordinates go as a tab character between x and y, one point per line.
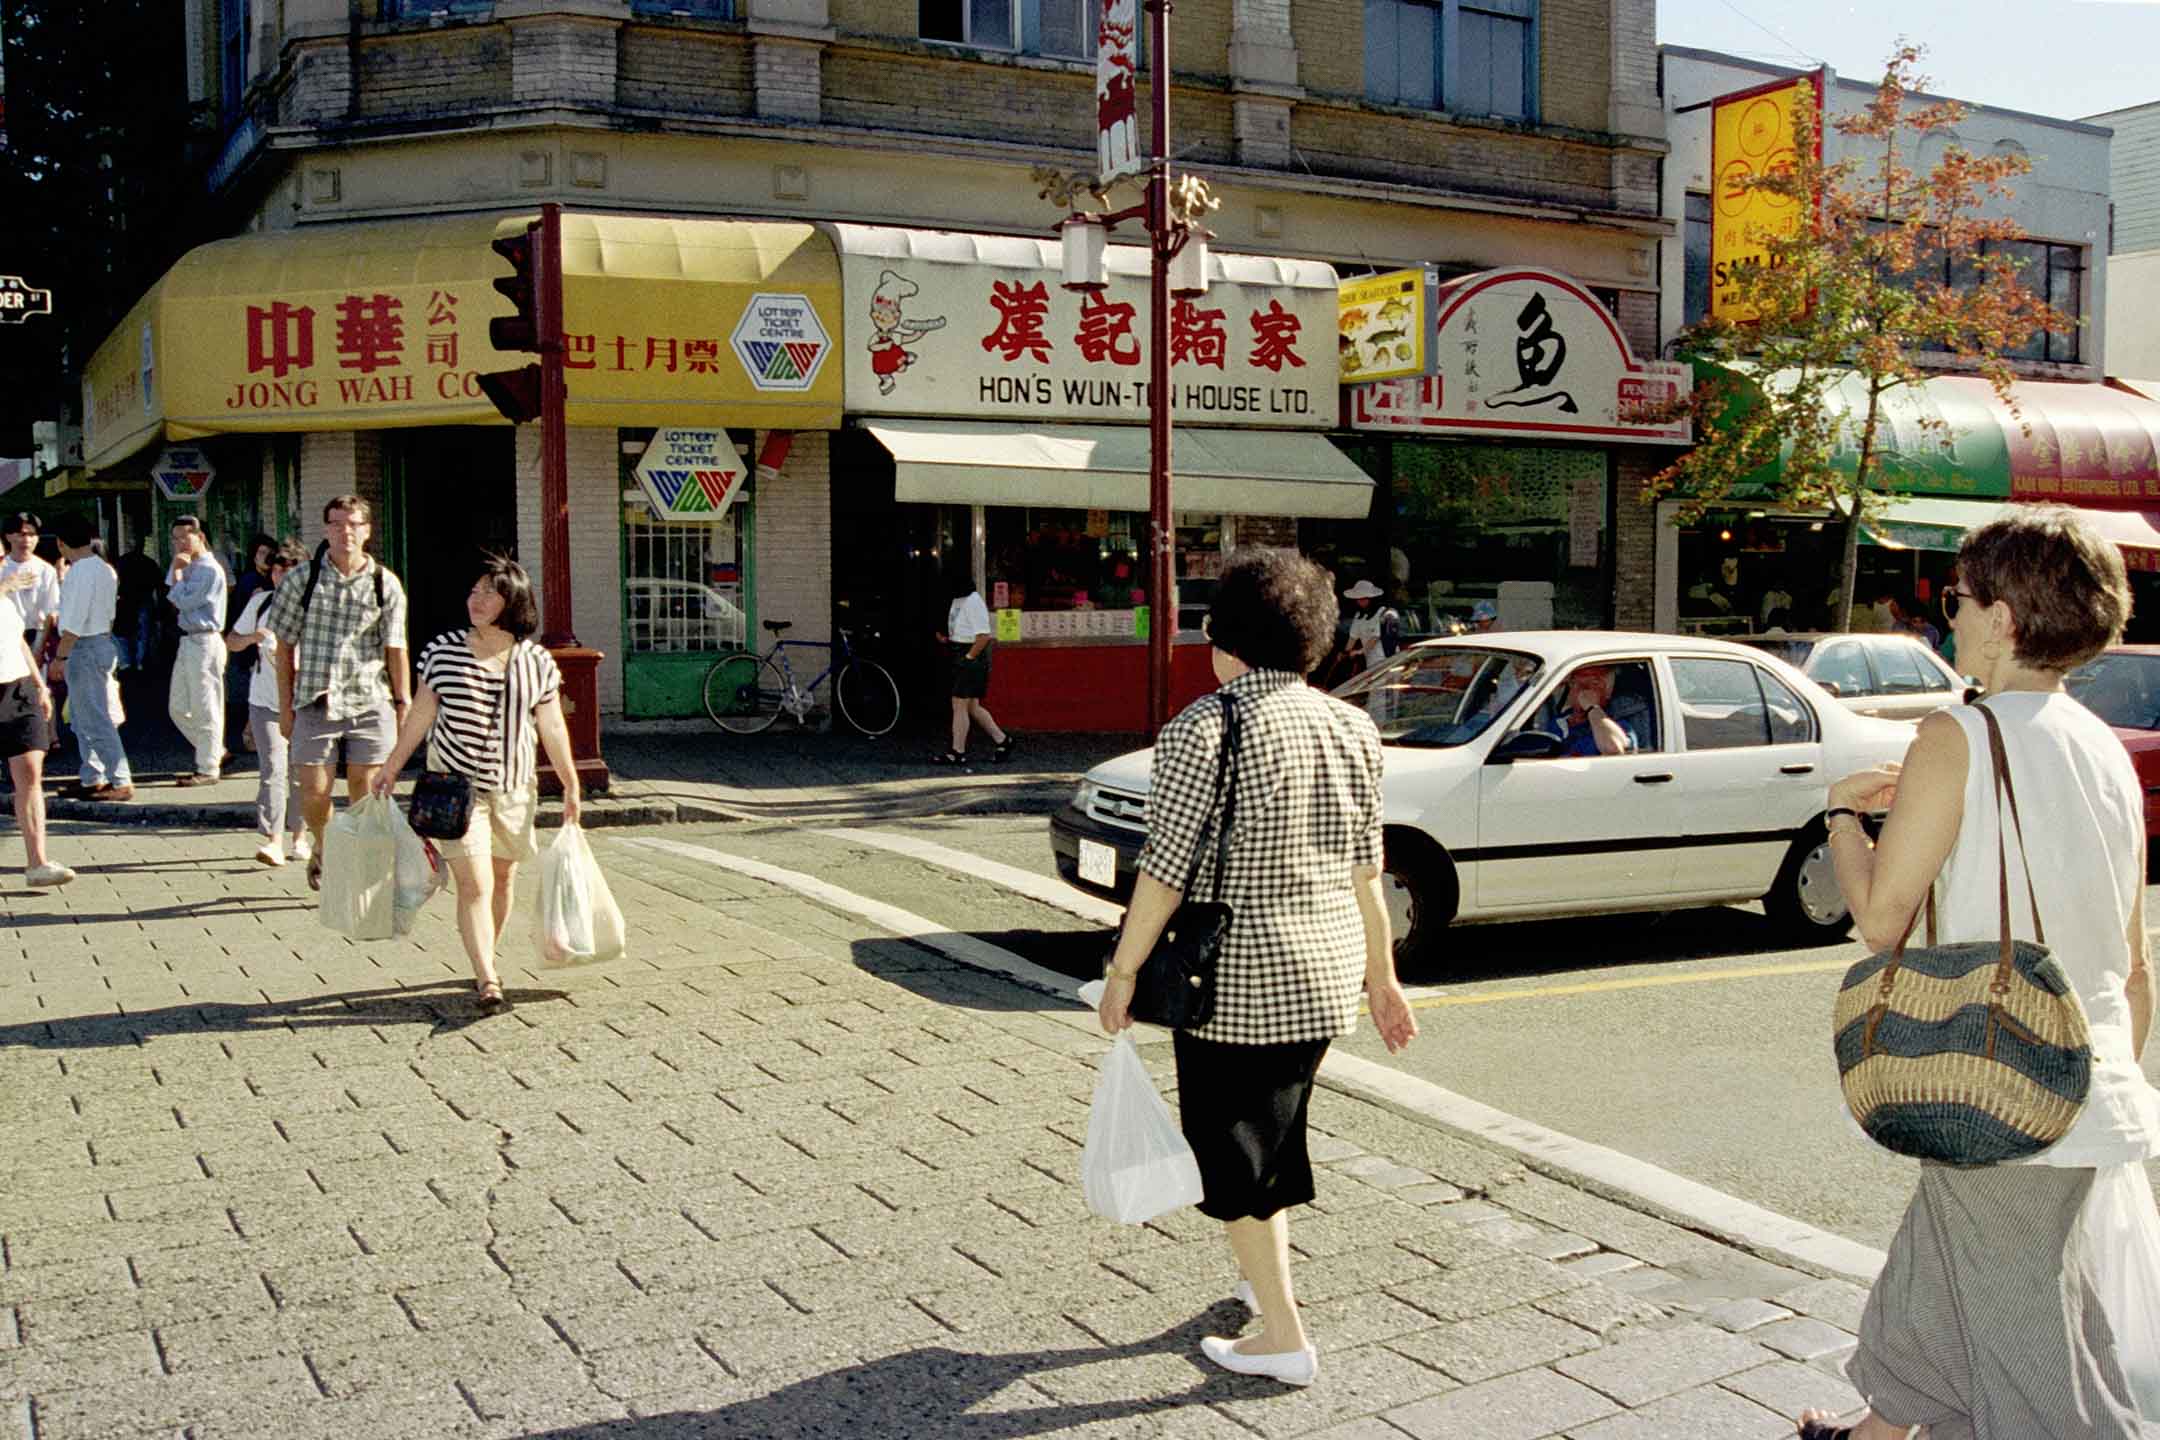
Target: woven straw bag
1966	1054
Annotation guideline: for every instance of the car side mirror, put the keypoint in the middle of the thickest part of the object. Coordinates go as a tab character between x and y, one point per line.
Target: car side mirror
1524	745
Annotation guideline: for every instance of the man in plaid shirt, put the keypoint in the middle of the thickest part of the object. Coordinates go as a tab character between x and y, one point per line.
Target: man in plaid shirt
344	674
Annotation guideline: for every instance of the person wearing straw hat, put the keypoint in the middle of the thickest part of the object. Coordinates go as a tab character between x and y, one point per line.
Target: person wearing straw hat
2009	1305
1375	631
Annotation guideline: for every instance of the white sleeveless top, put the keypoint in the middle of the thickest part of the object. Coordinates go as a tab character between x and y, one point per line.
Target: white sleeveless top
2083	811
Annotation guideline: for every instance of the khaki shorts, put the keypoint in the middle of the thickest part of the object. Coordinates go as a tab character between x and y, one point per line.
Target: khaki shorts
502	826
366	738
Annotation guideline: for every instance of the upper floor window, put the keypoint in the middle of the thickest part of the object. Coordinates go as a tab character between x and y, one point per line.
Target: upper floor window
1467	57
427	9
1695	250
689	9
1061	29
2054	272
232	58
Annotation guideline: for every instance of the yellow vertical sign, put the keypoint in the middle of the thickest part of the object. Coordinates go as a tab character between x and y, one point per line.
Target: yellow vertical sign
1752	134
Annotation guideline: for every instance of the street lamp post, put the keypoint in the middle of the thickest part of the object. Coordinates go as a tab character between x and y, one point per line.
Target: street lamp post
1176	243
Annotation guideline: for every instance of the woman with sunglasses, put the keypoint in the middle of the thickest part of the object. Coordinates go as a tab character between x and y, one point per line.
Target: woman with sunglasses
1997	1315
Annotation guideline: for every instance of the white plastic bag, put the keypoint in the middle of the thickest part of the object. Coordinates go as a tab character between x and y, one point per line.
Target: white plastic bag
419	875
580	923
1135	1165
2120	1252
359	875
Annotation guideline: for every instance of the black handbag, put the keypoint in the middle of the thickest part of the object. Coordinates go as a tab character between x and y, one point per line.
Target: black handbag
1176	984
442	803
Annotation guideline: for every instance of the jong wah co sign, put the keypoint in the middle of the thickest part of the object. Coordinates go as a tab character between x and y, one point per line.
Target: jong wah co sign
691	474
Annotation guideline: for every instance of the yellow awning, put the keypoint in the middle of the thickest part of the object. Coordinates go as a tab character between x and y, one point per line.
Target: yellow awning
1105	467
374	326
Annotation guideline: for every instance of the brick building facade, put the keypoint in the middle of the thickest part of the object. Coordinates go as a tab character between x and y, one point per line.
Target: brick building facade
835	112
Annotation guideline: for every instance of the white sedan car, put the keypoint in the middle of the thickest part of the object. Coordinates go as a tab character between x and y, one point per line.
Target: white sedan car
1493	811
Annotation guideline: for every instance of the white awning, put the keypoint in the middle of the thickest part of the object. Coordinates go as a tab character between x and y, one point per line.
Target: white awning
1105	467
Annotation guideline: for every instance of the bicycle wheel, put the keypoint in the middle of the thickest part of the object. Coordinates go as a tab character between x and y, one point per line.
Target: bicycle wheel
742	693
868	697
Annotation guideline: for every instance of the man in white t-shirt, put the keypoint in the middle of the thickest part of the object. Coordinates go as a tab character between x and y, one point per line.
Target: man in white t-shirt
279	818
30	583
967	634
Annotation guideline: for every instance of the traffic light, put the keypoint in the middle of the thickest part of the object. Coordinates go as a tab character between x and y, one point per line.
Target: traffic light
522	330
516	393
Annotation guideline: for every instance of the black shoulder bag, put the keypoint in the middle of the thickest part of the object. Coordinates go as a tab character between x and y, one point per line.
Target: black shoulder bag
1176	984
442	803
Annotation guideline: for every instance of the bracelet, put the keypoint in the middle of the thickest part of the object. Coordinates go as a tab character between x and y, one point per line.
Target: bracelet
1836	810
1111	972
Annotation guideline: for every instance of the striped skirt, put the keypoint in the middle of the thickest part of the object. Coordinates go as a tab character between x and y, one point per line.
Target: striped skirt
1986	1324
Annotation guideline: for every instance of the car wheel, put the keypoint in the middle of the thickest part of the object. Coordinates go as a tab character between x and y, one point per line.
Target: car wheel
1417	883
1806	900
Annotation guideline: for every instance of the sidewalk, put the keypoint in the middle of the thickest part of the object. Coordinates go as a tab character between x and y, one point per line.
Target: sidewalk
780	1175
677	772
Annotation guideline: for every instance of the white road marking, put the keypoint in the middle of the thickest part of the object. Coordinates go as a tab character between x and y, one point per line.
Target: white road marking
1045	888
1638	1183
966	949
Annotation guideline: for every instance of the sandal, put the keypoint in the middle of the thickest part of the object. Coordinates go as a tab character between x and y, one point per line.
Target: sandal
950	757
1816	1430
1003	749
492	999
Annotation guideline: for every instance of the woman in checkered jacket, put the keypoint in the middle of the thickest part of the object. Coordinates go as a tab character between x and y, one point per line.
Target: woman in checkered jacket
1310	932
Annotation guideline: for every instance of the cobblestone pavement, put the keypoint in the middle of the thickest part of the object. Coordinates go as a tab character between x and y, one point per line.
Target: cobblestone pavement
776	1176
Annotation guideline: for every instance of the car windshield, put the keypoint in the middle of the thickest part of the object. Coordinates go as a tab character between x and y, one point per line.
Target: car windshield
1441	695
2121	689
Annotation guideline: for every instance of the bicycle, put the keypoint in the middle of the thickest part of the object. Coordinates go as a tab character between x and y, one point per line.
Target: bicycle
745	693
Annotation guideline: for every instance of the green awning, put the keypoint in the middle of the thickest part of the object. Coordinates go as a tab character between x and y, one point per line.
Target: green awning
2089	445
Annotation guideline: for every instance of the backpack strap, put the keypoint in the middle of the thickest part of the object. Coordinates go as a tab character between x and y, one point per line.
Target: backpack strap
307	594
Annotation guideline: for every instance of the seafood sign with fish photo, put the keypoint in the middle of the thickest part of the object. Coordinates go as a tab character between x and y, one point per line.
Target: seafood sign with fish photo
1381	325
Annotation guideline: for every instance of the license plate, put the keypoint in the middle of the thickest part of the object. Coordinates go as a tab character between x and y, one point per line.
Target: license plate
1098	864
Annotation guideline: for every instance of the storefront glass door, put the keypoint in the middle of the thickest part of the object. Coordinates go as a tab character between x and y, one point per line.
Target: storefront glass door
688	598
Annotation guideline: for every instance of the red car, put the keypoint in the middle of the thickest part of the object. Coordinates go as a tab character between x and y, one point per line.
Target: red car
2122	687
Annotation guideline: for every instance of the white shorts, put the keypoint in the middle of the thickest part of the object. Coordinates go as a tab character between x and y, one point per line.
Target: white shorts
502	826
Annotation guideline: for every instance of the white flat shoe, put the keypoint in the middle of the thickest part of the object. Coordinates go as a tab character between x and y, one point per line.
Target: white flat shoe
1291	1367
1244	1296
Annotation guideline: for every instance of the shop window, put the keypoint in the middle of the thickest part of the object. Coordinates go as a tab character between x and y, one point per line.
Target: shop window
1084	572
1467	57
1695	264
1728	704
1843	670
683	586
2056	272
1520	526
232	58
432	9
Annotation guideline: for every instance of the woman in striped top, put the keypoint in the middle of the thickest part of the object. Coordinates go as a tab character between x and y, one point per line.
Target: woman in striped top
486	694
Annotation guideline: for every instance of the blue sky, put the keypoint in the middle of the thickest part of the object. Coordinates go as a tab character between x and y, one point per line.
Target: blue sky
2067	58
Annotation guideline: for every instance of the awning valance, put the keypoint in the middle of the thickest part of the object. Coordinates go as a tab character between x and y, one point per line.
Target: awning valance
374	326
1105	467
1917	523
2089	445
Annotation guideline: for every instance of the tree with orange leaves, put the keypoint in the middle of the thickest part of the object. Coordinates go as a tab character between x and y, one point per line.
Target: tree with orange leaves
1856	288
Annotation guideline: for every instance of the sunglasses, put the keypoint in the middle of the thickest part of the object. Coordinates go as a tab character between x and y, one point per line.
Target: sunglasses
1951	595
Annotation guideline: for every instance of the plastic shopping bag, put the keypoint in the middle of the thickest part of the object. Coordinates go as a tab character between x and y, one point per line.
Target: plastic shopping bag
2119	1249
419	873
359	875
1135	1165
580	922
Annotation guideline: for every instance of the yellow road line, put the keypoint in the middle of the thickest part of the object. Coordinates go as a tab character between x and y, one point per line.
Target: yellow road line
1637	982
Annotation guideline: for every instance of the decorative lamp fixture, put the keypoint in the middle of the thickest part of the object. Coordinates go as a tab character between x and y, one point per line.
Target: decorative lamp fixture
1086	241
1189	267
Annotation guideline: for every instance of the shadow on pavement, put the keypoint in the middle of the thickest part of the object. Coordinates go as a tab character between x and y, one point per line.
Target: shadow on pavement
935	1391
454	1007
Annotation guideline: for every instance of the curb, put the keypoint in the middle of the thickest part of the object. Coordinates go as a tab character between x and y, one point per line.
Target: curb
606	812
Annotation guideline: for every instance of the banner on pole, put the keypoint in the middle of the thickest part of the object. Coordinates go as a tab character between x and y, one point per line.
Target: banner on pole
1117	103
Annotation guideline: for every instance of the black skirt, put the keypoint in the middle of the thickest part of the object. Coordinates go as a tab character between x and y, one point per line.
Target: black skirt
1242	1108
970	678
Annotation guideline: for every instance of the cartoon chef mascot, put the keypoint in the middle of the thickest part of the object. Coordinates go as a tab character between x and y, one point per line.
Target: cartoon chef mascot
889	352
